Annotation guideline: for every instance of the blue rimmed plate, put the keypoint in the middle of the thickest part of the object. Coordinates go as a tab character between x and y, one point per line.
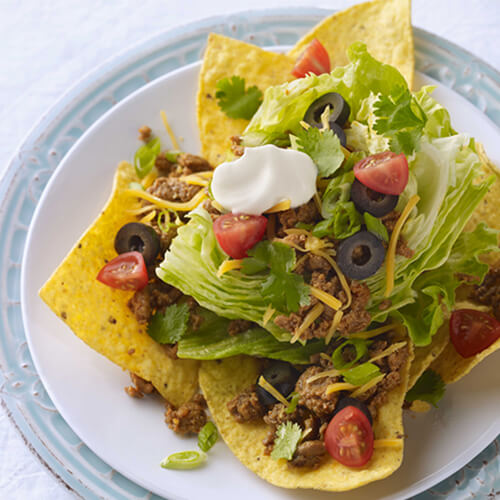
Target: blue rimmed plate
24	396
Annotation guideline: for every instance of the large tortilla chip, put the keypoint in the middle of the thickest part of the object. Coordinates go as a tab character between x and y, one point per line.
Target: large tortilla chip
99	314
221	381
384	25
424	356
225	57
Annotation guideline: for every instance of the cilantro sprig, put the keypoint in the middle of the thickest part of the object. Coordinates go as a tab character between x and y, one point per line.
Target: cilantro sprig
401	119
235	100
170	326
287	438
429	387
323	146
285	290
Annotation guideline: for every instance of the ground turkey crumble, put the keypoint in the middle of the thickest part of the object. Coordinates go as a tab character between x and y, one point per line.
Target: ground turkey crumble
488	292
315	409
189	418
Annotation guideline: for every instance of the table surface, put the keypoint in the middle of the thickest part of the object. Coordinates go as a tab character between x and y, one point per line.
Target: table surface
47	47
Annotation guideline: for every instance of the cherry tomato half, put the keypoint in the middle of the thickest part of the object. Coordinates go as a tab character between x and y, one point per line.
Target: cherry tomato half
472	331
384	172
126	272
237	233
314	59
349	437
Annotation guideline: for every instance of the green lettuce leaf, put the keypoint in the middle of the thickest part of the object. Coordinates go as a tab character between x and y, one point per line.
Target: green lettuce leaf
212	341
344	222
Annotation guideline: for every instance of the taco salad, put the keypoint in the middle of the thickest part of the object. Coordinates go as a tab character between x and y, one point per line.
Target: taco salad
327	262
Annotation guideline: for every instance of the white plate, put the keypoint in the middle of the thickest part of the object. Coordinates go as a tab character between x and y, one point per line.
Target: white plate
129	434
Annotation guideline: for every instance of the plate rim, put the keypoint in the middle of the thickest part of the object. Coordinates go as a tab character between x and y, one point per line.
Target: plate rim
113	64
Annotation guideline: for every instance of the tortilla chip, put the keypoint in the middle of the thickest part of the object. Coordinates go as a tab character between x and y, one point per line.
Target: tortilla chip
384	25
99	315
226	57
424	356
222	381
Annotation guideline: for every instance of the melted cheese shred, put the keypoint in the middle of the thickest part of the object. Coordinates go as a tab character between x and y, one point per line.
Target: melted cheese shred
194	180
391	251
373	382
310	318
268	315
387	443
279	207
229	265
150	178
339	386
326	373
148	217
169	129
271	390
326	298
387	352
172	205
337	318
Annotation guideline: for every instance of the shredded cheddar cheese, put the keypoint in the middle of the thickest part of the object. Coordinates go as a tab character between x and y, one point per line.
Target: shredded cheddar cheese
387	443
337	318
149	217
172	205
229	265
368	334
268	315
326	298
279	207
150	178
388	351
339	386
391	251
326	373
169	129
194	180
373	382
310	318
271	390
305	125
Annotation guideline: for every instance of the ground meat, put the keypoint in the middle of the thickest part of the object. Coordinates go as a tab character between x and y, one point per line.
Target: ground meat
488	293
390	381
236	146
163	166
307	213
312	395
155	296
238	326
139	388
193	162
144	133
403	249
189	417
172	189
309	454
277	415
357	318
311	263
389	220
385	304
246	406
207	205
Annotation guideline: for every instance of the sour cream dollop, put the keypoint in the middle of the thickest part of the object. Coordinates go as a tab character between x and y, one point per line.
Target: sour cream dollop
263	177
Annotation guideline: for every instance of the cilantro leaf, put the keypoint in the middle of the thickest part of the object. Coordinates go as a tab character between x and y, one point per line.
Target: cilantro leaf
287	438
283	289
429	387
323	146
208	436
234	100
376	226
169	327
401	119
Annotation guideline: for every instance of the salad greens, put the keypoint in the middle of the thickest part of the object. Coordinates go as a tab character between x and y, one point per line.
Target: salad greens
429	387
443	171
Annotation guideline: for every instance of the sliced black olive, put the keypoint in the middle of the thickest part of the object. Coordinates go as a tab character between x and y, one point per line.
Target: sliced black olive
282	376
360	255
339	132
138	237
373	202
344	402
339	110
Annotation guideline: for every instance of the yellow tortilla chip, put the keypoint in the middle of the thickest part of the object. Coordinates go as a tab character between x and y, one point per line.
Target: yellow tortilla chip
226	57
222	381
99	315
384	25
424	356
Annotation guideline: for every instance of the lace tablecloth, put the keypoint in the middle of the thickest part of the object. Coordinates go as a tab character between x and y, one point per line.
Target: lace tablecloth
47	46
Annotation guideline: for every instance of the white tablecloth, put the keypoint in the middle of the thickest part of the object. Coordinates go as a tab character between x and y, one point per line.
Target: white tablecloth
47	46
